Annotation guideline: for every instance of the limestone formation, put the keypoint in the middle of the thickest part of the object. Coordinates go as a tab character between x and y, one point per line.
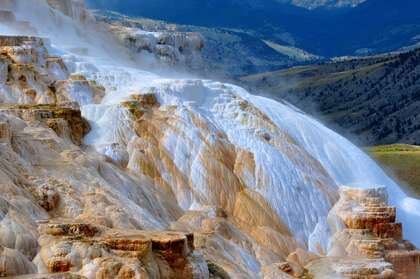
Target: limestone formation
167	178
13	263
182	49
77	87
66	122
62	275
5	133
368	243
111	253
35	77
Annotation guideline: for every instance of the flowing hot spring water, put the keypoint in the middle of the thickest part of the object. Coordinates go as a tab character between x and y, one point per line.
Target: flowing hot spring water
299	163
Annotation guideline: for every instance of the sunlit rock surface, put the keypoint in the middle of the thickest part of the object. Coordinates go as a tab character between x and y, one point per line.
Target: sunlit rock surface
98	252
108	170
368	243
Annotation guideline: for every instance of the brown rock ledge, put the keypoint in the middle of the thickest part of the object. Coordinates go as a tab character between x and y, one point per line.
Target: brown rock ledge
53	116
112	253
370	245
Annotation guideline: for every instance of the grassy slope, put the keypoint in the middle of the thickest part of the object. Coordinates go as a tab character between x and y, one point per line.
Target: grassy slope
402	162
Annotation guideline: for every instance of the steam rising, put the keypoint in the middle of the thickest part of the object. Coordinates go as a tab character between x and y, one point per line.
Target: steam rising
287	184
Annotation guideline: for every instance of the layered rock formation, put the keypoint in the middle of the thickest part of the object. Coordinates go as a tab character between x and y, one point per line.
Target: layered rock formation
368	242
47	175
65	122
205	50
99	252
172	48
40	122
183	178
30	76
46	172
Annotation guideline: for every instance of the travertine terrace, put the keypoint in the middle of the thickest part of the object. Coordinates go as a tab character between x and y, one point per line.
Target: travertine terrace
110	171
368	242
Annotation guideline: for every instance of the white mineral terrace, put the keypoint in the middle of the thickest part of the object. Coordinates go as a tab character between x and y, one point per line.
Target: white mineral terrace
298	164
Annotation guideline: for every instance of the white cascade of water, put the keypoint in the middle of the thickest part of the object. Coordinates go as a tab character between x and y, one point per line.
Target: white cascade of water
287	182
346	163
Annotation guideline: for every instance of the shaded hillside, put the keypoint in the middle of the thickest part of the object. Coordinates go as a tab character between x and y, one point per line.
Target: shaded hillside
375	98
372	27
225	52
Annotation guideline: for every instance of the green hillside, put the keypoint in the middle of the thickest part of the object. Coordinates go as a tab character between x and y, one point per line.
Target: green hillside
402	162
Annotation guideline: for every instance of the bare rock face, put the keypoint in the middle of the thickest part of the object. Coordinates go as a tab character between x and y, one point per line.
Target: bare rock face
77	87
66	122
110	253
182	49
51	95
14	263
30	75
368	242
5	133
354	268
277	271
170	194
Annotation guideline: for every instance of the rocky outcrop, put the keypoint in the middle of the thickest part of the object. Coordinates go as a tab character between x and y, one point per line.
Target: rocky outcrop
30	75
13	263
183	178
182	49
5	133
77	87
368	243
61	275
108	216
153	42
354	268
66	122
118	254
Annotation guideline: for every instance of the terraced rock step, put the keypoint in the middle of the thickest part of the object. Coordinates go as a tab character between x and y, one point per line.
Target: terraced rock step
371	246
182	150
350	268
117	253
31	76
14	41
66	122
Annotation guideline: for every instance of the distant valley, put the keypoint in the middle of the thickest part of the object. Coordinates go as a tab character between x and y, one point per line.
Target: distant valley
376	98
320	28
226	52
